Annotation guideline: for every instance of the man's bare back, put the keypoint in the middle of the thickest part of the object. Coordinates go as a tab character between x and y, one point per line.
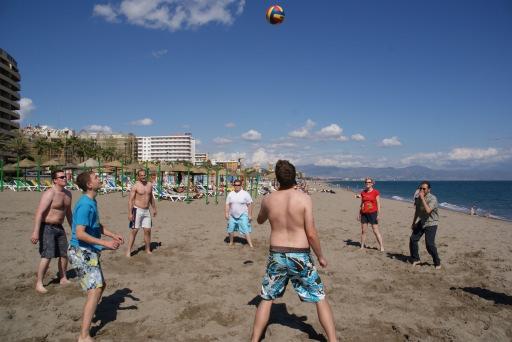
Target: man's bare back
289	212
142	194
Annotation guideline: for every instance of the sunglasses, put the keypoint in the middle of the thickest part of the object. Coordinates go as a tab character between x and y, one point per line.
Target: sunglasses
369	182
237	184
61	177
423	188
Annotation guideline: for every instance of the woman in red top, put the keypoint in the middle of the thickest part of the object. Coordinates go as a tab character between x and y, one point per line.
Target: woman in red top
369	211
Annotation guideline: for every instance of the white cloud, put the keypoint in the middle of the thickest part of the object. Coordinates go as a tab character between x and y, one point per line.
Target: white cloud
303	132
459	157
98	128
331	131
26	107
142	122
341	160
159	53
251	135
172	14
472	153
105	11
198	142
390	142
358	137
222	141
230	125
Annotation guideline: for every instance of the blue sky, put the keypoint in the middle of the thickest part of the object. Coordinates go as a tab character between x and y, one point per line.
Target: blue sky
340	82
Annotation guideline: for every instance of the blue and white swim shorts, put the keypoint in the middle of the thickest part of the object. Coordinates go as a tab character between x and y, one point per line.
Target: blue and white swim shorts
297	266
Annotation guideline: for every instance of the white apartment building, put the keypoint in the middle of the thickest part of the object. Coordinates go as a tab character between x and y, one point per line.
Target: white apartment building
167	148
201	158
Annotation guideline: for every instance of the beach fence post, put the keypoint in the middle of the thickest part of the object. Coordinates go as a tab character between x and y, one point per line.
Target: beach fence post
207	184
122	178
1	175
257	181
188	199
18	173
99	169
252	195
39	173
217	186
159	180
226	182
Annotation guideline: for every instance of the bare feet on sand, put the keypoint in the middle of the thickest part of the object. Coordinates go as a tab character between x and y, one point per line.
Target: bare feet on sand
414	263
85	339
64	281
438	267
40	288
148	252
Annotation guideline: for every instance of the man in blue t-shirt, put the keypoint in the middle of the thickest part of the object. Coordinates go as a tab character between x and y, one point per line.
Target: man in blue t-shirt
85	247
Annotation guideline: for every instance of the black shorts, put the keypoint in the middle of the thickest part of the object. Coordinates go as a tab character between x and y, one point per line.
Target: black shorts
52	241
370	218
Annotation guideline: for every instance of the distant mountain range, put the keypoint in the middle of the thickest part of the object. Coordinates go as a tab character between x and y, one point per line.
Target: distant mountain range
406	173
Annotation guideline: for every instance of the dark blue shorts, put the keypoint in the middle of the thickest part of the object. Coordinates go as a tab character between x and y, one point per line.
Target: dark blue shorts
370	218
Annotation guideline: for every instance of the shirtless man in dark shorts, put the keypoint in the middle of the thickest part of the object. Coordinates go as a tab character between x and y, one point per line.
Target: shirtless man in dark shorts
54	206
139	215
293	232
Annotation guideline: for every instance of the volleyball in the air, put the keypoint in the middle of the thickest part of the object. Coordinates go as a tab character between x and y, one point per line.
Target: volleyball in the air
275	14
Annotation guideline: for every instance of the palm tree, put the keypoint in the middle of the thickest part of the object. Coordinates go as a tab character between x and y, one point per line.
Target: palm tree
41	146
18	145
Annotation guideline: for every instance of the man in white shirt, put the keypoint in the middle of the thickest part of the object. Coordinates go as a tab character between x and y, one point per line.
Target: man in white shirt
238	213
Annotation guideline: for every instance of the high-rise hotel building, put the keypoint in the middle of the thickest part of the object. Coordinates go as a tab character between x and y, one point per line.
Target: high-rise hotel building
9	97
167	148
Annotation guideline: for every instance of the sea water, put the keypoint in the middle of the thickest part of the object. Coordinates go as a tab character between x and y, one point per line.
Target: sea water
489	198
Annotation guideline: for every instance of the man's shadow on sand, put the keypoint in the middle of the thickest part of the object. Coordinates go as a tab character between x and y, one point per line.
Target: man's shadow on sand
236	239
153	246
106	311
279	315
497	297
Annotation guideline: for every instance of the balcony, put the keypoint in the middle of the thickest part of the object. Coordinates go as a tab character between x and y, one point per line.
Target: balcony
12	124
13	115
14	94
14	74
13	84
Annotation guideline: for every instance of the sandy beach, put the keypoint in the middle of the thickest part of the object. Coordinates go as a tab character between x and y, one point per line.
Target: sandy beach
196	288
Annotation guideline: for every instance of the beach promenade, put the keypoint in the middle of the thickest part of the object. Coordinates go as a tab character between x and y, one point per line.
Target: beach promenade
196	288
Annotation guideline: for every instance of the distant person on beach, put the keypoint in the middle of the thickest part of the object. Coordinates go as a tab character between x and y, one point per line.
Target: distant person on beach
139	213
238	213
292	233
54	206
472	211
369	212
427	212
86	245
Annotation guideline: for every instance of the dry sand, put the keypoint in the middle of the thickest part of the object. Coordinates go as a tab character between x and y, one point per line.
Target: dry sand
196	288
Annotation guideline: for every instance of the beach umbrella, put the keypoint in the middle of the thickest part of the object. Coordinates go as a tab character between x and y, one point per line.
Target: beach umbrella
52	162
134	166
27	164
179	168
114	164
89	163
10	167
